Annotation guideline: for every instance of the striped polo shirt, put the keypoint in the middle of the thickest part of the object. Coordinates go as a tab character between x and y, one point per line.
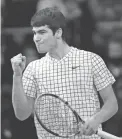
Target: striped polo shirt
77	78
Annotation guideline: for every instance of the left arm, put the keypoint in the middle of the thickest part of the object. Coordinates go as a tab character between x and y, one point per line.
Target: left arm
110	107
103	81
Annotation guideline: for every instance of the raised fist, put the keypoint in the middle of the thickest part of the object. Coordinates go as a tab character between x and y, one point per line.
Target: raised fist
18	64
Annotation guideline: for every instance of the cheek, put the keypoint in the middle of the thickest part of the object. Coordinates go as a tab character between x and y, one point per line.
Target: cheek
53	42
50	40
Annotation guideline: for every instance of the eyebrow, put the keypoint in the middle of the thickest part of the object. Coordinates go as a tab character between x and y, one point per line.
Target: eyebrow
41	30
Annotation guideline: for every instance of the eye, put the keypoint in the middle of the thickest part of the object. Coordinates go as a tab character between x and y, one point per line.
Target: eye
42	32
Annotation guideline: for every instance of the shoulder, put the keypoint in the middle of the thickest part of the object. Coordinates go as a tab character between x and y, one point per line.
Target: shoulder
36	63
90	55
87	54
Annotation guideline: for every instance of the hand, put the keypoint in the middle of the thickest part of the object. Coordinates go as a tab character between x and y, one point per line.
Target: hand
18	64
90	127
81	127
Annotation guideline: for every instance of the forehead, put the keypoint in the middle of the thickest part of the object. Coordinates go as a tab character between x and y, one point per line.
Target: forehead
41	28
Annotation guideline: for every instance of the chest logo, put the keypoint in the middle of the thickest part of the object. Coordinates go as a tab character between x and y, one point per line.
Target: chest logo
75	67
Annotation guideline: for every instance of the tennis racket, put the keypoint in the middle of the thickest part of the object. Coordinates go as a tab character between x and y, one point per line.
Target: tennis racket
57	117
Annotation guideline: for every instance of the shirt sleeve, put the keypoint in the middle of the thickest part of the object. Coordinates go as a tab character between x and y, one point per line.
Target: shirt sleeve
101	75
28	81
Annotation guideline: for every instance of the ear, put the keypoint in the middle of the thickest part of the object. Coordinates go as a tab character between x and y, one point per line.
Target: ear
58	33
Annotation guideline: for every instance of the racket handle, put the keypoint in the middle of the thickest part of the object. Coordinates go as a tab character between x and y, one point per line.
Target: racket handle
106	135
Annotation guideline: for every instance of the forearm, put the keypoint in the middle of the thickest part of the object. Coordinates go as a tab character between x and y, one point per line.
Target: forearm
109	109
19	99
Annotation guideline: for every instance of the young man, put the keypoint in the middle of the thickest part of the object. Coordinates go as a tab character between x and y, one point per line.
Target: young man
64	70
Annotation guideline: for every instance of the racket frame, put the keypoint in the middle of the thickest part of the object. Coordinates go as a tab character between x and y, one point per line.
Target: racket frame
78	118
101	133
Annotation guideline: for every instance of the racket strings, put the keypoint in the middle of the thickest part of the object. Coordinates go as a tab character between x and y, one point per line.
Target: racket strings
56	116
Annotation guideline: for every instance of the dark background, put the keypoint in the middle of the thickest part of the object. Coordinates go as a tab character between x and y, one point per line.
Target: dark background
92	25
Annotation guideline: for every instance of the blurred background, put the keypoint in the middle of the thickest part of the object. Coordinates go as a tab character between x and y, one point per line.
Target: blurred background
92	25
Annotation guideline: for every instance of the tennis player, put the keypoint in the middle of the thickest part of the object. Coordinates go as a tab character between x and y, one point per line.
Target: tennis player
73	74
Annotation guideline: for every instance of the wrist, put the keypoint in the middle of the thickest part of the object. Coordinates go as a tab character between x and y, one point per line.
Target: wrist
17	76
98	118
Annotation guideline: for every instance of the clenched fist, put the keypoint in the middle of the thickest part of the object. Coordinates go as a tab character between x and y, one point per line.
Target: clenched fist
18	64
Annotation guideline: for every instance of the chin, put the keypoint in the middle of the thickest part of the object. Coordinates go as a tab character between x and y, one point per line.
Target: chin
42	51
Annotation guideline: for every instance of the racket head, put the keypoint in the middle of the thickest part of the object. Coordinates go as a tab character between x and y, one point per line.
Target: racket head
56	116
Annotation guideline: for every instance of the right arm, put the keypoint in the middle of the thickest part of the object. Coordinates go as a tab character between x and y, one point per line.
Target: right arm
22	104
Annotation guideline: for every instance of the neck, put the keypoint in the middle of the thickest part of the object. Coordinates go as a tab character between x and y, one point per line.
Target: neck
60	50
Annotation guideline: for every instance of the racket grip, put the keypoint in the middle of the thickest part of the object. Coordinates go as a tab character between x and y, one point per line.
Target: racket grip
106	135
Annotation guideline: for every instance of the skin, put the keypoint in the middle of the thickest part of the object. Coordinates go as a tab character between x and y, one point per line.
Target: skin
46	41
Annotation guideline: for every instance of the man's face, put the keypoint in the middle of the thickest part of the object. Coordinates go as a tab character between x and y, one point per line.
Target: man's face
44	39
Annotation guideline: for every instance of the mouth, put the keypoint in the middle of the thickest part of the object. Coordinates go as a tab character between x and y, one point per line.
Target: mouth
38	44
